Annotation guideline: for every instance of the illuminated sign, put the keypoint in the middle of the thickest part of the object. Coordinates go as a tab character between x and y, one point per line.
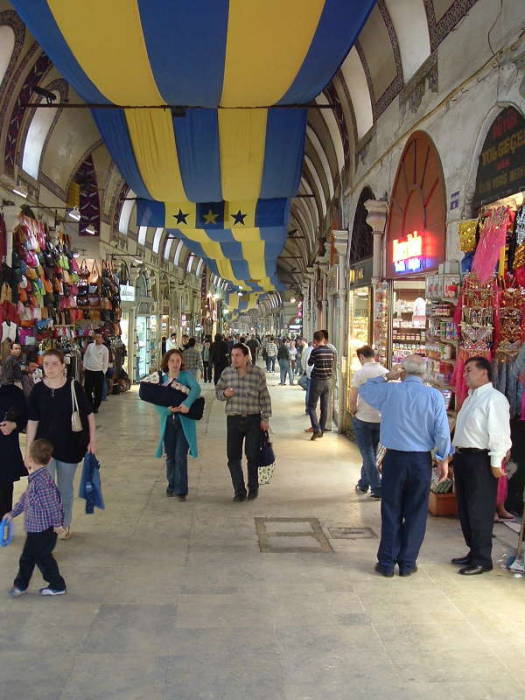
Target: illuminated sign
407	255
127	292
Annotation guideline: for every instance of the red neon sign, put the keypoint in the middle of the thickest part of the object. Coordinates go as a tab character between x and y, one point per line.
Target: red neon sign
407	254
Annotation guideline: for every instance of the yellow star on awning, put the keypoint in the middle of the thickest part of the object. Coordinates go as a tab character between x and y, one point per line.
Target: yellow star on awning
210	217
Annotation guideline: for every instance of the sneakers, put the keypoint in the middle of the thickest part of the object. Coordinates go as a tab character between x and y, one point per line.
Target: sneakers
51	591
15	592
360	491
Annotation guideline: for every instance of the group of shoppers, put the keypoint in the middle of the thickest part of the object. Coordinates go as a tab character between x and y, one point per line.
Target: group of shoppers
409	418
242	385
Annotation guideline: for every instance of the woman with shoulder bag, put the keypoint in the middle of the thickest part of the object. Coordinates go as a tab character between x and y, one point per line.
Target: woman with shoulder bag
60	412
178	434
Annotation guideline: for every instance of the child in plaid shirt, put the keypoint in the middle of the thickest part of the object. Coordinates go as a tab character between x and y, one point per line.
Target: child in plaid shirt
44	517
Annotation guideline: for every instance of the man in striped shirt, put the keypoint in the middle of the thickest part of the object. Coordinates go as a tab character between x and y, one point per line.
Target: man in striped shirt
322	359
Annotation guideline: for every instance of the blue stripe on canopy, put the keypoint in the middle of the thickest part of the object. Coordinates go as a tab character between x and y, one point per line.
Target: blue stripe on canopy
197	138
285	135
39	18
114	130
336	33
150	213
271	212
186	43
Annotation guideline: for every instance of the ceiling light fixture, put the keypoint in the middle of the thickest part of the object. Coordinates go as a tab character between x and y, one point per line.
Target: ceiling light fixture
90	230
20	191
74	214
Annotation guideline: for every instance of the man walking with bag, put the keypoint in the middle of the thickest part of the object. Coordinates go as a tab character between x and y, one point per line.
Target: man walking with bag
248	410
96	363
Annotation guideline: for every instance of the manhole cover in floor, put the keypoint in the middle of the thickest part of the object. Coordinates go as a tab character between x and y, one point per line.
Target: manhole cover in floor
291	535
351	533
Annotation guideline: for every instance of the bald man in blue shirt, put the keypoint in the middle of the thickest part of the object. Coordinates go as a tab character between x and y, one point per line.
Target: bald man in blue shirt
413	422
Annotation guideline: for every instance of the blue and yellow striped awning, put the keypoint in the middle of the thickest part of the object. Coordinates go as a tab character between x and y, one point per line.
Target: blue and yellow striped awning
214	168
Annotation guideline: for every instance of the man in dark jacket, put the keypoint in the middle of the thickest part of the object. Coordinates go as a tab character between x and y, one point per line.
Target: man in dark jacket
219	356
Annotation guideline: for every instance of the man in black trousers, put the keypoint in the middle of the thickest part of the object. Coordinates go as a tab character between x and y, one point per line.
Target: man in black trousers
481	441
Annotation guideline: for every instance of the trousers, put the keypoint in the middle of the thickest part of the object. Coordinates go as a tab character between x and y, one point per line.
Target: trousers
245	429
6	498
94	384
38	550
319	390
64	474
286	371
176	447
367	438
404	507
476	496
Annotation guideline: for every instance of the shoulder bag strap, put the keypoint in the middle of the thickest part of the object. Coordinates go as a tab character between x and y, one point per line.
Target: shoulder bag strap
74	401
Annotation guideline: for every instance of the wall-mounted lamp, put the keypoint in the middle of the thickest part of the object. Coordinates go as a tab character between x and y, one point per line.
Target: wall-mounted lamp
74	214
20	191
90	230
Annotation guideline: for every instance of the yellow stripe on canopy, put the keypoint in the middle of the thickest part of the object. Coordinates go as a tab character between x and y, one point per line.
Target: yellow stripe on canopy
213	250
242	135
266	45
253	251
153	140
106	38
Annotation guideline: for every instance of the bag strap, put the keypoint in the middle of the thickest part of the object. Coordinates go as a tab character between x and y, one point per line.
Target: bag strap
74	401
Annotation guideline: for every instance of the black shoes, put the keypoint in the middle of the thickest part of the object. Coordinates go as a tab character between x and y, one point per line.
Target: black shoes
181	497
408	572
315	436
388	573
461	561
474	570
253	494
169	493
239	497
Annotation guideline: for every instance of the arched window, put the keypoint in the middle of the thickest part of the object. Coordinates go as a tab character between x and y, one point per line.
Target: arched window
167	248
36	138
156	239
143	230
361	246
178	252
190	263
125	212
7	44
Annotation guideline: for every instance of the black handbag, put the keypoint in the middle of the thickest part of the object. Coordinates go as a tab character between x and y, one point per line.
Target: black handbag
265	455
168	396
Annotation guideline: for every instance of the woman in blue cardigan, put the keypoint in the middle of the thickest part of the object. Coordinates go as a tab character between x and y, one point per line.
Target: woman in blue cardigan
178	434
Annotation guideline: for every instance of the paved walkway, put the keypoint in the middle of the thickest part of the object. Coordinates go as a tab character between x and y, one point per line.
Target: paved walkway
176	600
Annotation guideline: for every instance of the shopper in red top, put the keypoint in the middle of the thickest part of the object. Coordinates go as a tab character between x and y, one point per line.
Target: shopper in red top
43	519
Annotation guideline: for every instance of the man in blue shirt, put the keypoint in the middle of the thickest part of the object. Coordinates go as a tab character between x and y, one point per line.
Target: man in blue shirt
413	422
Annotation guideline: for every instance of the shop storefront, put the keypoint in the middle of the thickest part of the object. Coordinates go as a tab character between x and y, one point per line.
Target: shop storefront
359	317
415	246
483	313
52	298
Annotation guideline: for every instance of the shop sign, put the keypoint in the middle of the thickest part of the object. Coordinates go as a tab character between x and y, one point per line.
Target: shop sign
127	292
407	254
360	274
501	169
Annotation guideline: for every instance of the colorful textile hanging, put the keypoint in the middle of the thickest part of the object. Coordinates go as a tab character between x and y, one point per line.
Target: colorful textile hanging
242	165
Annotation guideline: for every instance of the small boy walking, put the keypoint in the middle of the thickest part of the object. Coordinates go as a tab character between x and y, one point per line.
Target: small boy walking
44	517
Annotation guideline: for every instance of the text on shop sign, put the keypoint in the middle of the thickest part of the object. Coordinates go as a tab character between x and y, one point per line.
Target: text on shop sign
407	254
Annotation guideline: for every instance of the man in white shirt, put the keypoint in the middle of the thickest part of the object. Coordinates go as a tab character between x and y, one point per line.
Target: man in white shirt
481	442
96	363
171	342
366	422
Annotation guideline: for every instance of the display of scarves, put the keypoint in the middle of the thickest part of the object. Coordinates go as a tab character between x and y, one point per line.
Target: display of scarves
492	239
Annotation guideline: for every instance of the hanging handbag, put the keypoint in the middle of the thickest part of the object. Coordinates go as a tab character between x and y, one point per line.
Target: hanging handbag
76	422
265	459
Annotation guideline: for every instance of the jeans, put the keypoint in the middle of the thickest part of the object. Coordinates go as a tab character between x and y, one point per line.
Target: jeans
367	438
476	495
93	384
176	447
404	507
307	394
270	363
319	389
247	429
286	370
64	474
38	550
